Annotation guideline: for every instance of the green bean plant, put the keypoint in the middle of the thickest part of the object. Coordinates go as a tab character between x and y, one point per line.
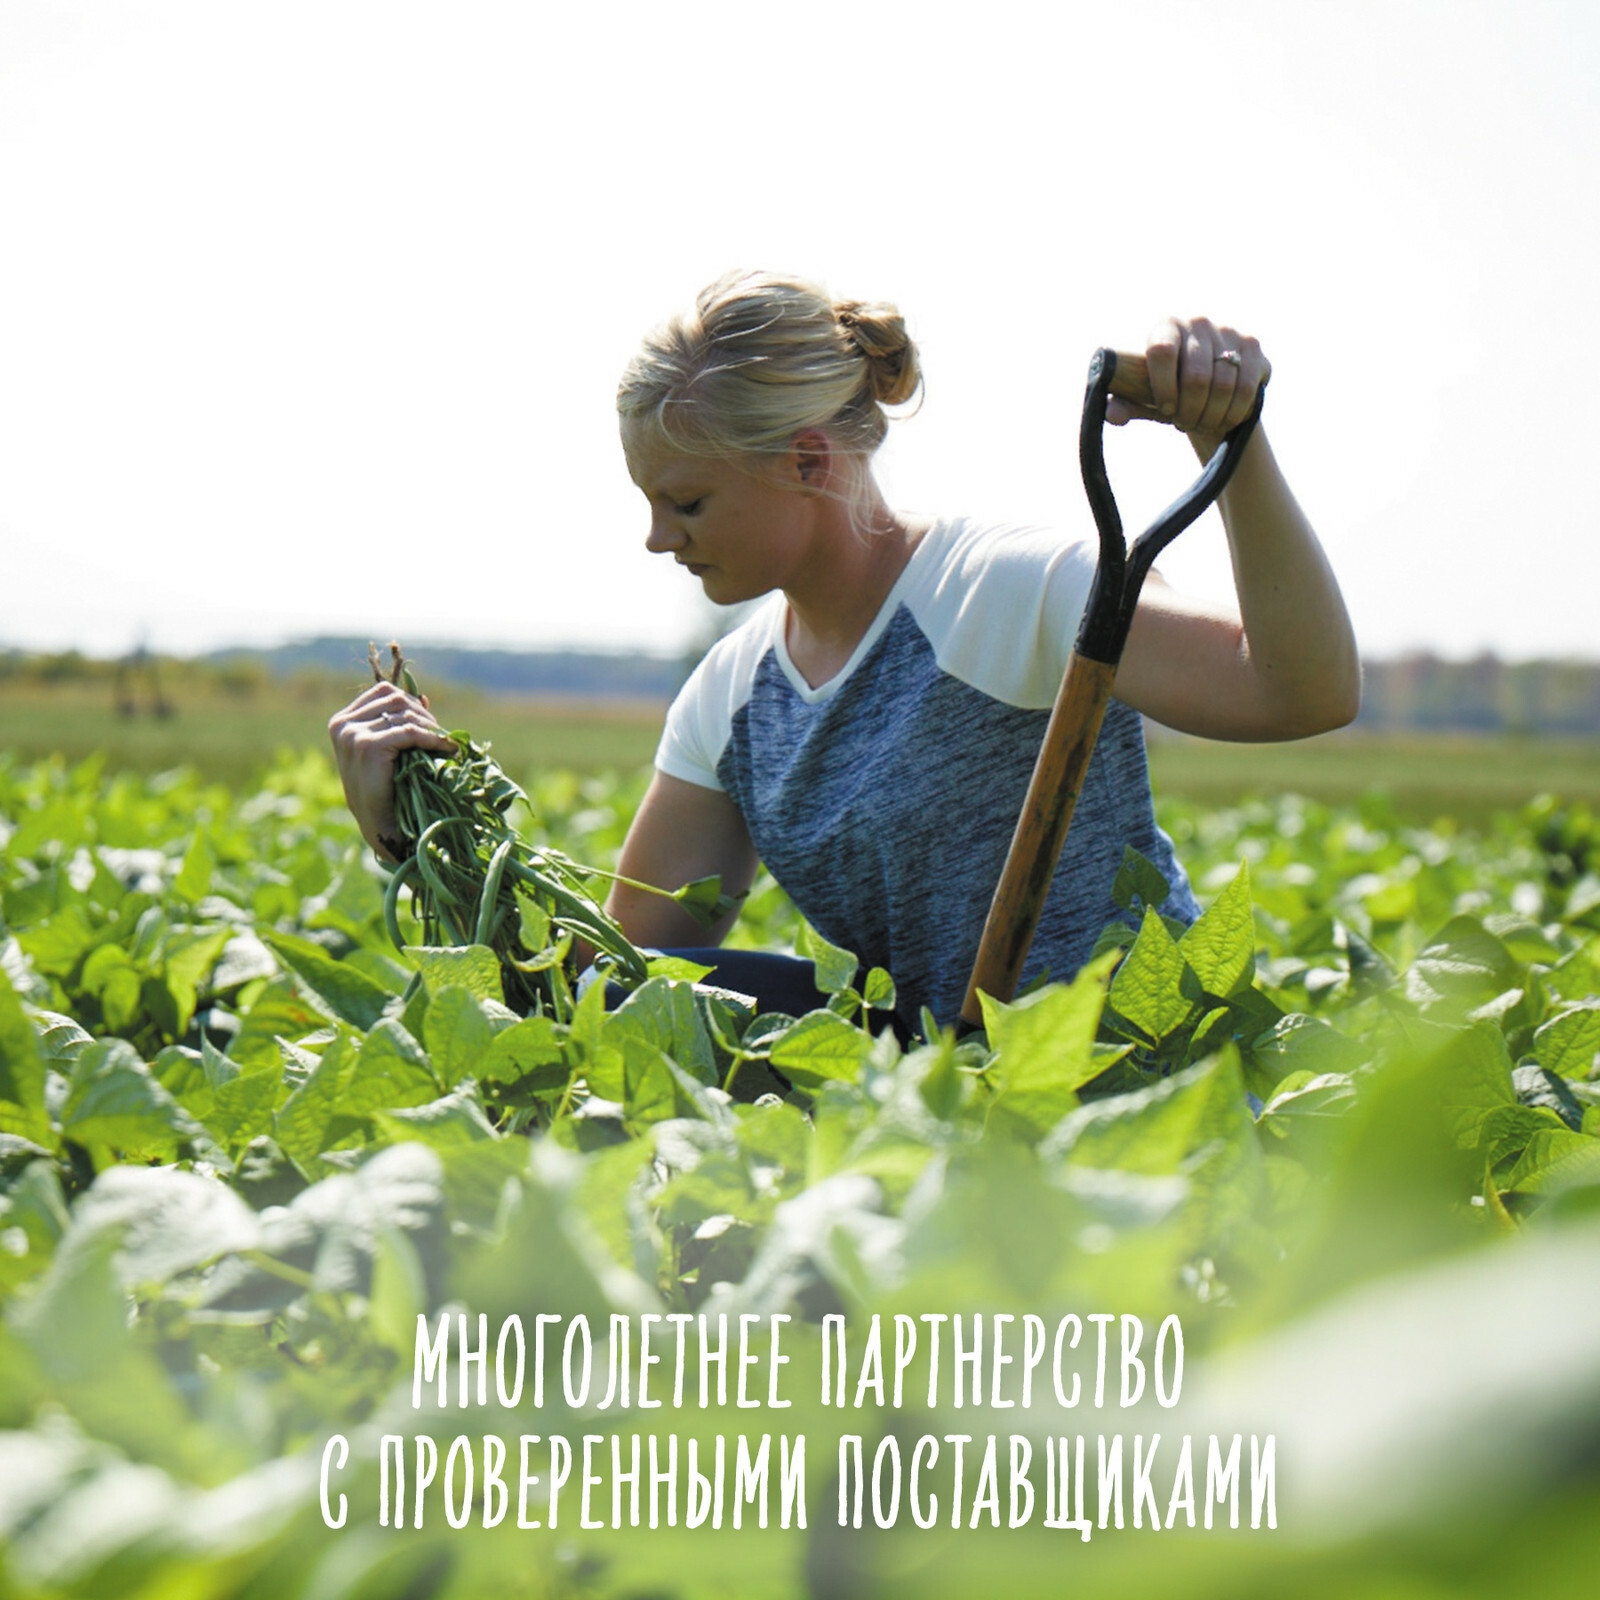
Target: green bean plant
473	880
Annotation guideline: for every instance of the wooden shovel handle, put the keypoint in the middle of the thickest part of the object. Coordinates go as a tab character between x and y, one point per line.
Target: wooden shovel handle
1041	831
1131	380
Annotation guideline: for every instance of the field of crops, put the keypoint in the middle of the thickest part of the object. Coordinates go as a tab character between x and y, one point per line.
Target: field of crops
274	1192
232	737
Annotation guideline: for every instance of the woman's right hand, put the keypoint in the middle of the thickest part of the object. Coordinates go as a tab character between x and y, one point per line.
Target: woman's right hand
367	736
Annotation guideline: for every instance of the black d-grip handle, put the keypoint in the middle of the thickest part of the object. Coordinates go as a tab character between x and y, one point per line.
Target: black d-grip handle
1121	572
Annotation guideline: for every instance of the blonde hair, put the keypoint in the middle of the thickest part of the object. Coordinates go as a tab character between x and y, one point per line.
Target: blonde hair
759	359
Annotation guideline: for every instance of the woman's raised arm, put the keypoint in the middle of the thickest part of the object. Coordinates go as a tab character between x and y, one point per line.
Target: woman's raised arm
1282	664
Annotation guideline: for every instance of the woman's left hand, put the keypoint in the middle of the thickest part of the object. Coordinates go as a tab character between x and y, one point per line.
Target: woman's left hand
1203	380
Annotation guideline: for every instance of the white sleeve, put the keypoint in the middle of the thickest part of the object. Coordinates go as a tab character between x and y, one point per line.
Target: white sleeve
1003	606
700	721
693	736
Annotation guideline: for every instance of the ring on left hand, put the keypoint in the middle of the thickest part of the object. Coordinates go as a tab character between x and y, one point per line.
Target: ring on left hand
1232	357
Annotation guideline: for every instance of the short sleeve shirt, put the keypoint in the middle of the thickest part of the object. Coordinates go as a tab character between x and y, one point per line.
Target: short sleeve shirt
884	800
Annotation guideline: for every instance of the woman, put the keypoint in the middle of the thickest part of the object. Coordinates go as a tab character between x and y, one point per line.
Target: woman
868	733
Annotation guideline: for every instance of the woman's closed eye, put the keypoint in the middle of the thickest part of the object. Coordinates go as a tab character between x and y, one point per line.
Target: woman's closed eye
690	507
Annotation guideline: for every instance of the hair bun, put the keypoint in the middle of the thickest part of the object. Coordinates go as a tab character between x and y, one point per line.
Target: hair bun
878	331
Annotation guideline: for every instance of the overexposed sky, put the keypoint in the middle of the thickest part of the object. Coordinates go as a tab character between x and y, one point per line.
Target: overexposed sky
311	314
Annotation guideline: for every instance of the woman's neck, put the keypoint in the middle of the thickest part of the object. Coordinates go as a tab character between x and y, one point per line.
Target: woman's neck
833	604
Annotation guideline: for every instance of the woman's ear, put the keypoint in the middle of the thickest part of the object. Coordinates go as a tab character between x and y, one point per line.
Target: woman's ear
811	460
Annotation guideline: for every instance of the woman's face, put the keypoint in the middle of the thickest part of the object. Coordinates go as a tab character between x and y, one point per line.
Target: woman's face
739	526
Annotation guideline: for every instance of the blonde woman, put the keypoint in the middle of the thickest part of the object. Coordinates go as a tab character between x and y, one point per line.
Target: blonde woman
868	732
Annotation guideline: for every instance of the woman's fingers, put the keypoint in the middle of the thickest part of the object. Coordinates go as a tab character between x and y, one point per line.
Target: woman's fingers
1203	378
1254	370
389	718
367	735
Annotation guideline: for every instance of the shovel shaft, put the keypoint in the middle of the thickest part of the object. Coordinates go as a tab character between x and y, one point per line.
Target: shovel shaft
1040	832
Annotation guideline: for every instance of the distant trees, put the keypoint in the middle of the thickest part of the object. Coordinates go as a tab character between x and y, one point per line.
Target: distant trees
1482	694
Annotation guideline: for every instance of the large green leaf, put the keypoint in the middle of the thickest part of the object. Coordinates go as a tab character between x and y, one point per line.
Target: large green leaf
474	967
1220	947
391	1071
529	1054
1569	1042
663	1013
1153	988
165	1222
458	1032
1463	966
115	1101
301	1124
820	1048
347	994
22	1071
1044	1047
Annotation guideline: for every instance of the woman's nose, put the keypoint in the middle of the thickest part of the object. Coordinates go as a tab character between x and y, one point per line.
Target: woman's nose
663	536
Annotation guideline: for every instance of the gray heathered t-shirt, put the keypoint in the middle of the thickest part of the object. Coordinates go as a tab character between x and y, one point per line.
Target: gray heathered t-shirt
884	800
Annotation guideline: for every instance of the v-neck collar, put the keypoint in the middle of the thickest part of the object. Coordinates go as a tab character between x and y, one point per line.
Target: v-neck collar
891	603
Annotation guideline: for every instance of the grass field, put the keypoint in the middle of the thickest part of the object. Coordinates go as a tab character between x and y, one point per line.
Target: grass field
231	738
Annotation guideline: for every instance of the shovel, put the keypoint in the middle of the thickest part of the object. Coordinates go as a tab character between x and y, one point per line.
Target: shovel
1074	725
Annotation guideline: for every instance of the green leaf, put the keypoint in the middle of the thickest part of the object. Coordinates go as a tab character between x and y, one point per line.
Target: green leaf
391	1071
533	922
166	1222
1193	1125
455	1119
1299	1044
347	994
474	967
1475	1072
1139	882
61	1040
677	967
1149	988
22	1071
529	1055
399	1291
1220	947
1569	1042
650	1092
57	944
112	1385
1463	966
114	1100
1556	1159
820	1048
1044	1047
1302	1094
1525	940
458	1033
836	967
279	1011
189	958
243	1108
34	1206
879	991
1506	1132
301	1123
663	1014
117	983
704	900
193	882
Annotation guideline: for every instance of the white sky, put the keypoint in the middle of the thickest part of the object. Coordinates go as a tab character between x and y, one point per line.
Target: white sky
311	314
